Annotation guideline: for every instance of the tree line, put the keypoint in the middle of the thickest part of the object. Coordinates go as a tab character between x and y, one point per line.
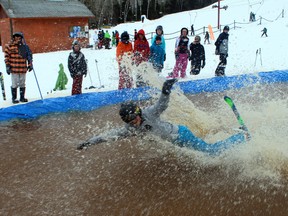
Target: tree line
113	12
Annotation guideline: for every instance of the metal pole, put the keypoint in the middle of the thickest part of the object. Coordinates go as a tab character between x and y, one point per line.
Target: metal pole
218	14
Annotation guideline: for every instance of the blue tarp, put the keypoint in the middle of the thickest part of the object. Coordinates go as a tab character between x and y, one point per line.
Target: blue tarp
92	101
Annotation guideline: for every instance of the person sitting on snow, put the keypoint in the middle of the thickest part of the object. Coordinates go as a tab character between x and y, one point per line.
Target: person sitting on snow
148	120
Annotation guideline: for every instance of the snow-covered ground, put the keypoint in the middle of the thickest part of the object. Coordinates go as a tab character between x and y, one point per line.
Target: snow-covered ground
243	44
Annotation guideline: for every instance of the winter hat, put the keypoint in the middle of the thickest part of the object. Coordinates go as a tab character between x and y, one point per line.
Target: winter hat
129	111
125	36
20	34
158	38
184	29
141	31
159	28
76	42
197	38
226	28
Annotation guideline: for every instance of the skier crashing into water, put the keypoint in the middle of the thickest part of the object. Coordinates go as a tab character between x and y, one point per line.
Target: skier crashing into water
139	121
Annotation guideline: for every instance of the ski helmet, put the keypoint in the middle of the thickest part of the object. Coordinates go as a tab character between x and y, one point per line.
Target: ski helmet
129	111
159	28
197	38
19	34
226	28
125	36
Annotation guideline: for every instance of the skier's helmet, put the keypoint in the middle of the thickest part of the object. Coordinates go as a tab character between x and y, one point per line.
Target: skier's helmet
197	38
19	34
159	28
226	28
125	37
129	111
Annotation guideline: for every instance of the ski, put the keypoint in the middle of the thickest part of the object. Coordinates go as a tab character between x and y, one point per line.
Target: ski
2	86
230	102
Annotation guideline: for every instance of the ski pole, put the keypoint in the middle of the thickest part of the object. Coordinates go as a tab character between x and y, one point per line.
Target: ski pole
37	84
2	85
101	86
89	76
256	57
260	56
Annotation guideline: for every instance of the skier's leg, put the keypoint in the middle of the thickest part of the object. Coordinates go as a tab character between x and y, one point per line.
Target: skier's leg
184	63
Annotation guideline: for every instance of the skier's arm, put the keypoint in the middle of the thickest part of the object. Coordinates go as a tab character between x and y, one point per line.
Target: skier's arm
162	104
111	135
70	67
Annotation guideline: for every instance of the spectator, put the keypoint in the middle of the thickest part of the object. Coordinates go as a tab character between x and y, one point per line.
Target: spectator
95	39
17	55
135	34
141	54
62	79
117	37
197	56
157	54
123	56
107	39
181	54
222	50
113	39
78	67
159	32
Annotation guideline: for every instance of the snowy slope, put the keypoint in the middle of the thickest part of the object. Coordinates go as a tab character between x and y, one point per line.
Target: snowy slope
243	43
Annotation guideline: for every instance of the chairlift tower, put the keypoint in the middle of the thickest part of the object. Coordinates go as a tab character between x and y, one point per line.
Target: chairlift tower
219	8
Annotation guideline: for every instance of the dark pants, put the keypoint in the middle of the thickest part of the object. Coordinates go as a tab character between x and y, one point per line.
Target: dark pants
220	70
195	66
77	84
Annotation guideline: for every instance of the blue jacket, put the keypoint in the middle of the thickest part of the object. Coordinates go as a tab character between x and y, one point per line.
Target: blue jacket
157	54
163	44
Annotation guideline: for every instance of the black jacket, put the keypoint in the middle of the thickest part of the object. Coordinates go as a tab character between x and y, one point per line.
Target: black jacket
197	51
77	64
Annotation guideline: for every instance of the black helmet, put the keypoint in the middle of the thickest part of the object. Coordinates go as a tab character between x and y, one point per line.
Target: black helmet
129	111
226	28
125	36
20	34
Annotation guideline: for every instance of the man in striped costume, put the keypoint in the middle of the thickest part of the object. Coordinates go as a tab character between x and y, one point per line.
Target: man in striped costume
18	59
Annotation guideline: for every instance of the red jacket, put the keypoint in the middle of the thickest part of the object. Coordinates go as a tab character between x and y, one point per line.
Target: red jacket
141	48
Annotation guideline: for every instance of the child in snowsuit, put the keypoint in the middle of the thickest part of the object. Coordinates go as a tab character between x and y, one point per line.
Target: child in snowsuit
141	54
77	67
157	54
159	32
181	54
123	55
140	121
62	79
222	50
197	55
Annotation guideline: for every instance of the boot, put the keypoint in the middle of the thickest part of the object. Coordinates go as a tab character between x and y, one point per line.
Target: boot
22	93
14	95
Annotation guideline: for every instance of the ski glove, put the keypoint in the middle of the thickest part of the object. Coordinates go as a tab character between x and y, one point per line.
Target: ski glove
30	68
167	86
203	64
8	69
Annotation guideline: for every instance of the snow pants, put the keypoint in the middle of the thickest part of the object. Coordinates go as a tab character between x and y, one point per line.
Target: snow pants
18	80
220	70
187	139
180	65
77	84
125	80
195	66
